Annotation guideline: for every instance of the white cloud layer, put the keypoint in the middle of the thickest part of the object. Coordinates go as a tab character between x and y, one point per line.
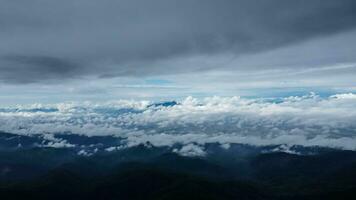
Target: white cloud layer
297	120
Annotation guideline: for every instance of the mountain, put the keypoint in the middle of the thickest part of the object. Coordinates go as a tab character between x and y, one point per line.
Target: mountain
149	172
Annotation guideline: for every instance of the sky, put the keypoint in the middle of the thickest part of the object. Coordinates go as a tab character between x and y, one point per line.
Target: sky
88	50
236	71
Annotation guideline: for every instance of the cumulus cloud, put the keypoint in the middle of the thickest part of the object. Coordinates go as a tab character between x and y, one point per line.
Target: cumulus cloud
191	150
308	120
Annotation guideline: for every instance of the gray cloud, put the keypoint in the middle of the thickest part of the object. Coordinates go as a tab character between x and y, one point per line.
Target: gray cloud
36	68
56	40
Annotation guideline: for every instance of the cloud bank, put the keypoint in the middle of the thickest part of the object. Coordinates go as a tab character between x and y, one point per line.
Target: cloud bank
297	120
60	40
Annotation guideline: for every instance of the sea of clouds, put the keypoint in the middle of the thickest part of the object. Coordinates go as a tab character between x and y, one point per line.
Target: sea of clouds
308	120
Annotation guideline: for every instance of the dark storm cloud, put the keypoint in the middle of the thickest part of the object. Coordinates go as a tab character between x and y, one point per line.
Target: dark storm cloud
44	40
36	68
